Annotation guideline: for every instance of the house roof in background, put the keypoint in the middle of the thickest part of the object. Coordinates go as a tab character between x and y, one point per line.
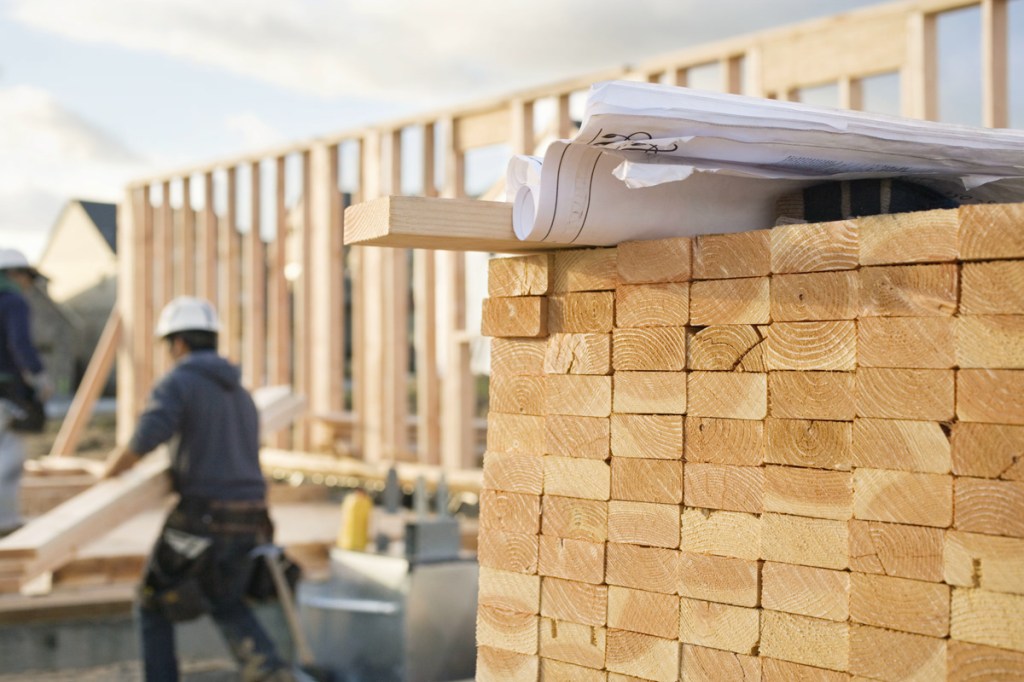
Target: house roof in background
104	216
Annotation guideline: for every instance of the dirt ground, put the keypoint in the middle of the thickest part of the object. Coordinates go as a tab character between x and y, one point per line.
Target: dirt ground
197	671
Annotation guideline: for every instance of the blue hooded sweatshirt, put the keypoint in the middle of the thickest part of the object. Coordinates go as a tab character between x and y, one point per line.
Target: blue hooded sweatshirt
203	406
17	354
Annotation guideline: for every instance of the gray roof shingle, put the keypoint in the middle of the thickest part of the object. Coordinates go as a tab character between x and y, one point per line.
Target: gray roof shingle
105	218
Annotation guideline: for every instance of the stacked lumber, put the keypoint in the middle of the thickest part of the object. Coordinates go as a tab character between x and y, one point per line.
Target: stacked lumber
792	454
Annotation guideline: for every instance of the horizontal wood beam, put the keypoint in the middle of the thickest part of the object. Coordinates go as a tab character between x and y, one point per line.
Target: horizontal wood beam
849	28
287	462
481	107
484	129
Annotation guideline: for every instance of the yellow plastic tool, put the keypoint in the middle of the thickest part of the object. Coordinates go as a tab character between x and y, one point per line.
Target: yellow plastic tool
354	532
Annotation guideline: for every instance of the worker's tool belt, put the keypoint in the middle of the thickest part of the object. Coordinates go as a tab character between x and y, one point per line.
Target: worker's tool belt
223	517
183	574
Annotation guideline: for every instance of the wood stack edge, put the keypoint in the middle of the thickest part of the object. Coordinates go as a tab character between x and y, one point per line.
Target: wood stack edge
773	455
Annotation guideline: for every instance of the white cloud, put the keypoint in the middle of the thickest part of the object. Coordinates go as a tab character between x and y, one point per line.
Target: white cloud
252	131
50	155
22	213
410	48
34	123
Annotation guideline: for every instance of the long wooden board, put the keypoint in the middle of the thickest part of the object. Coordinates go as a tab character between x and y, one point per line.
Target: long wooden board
96	375
51	540
436	223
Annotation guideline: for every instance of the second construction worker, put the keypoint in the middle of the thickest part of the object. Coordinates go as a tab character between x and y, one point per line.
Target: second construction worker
202	559
21	375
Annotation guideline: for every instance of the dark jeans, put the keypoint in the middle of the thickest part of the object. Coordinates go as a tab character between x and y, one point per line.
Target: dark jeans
223	581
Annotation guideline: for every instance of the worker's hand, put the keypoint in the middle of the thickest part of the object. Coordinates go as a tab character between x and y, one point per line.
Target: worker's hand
42	385
120	459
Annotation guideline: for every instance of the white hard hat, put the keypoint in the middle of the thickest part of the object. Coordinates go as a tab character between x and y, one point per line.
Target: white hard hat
13	259
187	313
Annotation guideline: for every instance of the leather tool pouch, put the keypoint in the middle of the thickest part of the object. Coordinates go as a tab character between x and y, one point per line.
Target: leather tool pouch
172	582
27	412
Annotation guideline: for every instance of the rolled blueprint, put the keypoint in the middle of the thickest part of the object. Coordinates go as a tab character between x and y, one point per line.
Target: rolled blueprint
654	161
579	201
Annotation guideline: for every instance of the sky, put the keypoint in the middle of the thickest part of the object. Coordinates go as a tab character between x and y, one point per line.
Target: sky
94	93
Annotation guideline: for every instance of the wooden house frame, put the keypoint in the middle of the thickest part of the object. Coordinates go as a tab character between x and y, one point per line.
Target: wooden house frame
179	234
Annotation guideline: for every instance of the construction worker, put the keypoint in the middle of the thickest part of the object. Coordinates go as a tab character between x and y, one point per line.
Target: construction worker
21	375
202	559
